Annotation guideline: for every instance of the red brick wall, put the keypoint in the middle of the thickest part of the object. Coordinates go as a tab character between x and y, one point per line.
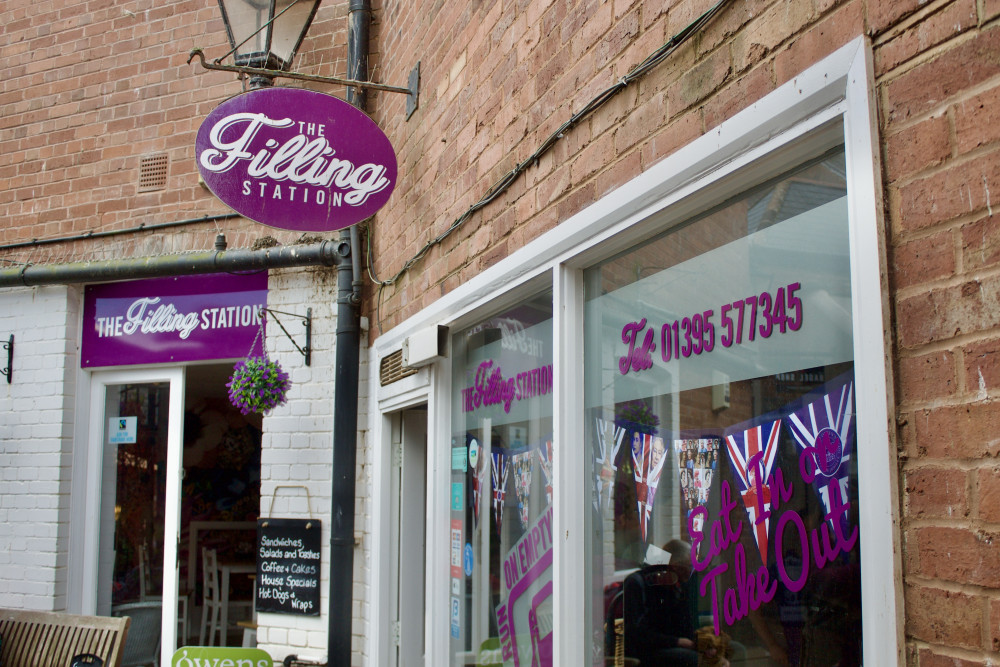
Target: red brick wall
91	86
510	73
939	86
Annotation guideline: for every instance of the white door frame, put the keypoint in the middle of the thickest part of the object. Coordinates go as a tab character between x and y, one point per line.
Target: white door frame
99	381
410	392
409	535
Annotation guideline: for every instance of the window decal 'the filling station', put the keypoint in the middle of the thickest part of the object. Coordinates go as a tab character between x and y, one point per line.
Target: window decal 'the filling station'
296	159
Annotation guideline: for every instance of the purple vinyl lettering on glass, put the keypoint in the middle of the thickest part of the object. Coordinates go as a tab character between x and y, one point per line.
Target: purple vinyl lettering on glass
171	320
822	426
296	159
492	388
639	358
525	565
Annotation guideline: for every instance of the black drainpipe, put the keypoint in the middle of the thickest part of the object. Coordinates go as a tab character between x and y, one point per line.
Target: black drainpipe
345	408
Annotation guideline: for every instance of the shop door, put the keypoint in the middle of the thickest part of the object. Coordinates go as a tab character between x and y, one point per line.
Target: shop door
133	502
409	511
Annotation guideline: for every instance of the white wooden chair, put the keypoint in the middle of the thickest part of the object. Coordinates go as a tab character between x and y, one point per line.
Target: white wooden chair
211	610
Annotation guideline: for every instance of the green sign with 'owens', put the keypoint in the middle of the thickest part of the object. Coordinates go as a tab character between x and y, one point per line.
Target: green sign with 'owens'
220	656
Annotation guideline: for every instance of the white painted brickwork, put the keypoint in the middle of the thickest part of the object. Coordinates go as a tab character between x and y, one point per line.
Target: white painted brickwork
36	428
36	433
296	452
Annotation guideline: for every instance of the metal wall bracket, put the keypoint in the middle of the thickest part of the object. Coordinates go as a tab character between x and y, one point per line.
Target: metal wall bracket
412	91
305	351
9	371
413	99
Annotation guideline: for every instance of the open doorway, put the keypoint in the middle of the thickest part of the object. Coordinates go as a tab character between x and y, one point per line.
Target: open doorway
220	495
180	473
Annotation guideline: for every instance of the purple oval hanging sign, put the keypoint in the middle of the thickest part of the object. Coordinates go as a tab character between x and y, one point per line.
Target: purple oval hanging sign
296	159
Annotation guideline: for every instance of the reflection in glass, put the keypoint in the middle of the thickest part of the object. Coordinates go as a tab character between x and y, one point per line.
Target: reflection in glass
501	489
720	416
136	419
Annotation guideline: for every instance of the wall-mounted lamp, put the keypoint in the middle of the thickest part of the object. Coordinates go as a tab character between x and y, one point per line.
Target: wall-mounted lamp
265	34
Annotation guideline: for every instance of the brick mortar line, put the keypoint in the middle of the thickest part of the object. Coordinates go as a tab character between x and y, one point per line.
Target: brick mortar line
953	652
946	110
930	406
982	592
956	280
961	465
888	130
929	55
905	23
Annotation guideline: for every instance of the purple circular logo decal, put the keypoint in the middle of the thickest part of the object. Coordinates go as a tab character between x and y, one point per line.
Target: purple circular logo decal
829	451
296	159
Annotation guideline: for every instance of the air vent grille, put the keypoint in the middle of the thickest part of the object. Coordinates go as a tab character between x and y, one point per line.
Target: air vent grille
392	369
152	172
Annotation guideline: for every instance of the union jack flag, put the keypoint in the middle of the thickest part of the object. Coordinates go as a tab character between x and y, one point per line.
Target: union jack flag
752	453
478	482
545	460
648	455
609	443
824	434
499	471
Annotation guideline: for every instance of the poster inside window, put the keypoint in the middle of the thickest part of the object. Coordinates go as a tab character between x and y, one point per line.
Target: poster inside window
721	418
501	489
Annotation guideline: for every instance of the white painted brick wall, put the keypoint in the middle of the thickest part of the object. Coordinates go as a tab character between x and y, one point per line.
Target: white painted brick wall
36	426
296	453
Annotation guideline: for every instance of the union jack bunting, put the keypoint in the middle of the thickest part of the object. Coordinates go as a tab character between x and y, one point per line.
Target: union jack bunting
648	455
609	443
824	435
499	470
752	453
545	461
479	471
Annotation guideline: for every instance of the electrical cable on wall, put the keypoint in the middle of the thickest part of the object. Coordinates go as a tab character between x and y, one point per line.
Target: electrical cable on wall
508	179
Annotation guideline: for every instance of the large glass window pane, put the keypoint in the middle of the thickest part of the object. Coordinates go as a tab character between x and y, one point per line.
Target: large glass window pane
501	489
720	412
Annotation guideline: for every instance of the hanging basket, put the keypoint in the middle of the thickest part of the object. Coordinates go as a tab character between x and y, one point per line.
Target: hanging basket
636	416
258	384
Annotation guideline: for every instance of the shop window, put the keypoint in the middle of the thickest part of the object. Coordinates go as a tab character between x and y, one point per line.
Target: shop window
501	489
720	414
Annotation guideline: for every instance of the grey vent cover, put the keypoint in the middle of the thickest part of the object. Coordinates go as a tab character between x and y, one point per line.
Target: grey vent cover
392	369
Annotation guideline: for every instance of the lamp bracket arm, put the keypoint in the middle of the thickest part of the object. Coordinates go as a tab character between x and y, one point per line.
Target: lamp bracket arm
412	90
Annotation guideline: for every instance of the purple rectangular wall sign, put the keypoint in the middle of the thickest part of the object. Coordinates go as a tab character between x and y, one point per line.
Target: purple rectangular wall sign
172	320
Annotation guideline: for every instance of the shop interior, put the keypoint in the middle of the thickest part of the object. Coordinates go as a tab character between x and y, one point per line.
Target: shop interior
220	503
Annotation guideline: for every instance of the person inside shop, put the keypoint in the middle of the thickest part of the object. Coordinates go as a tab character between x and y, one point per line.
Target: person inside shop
659	609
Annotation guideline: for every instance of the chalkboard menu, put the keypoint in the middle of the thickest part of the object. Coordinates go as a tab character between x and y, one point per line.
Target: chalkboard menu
288	563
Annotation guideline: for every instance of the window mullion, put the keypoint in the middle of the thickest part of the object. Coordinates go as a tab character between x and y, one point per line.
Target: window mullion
571	464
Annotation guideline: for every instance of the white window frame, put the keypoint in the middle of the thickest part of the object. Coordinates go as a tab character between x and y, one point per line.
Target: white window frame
830	103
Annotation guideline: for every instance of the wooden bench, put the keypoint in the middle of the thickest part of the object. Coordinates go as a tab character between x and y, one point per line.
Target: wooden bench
49	639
